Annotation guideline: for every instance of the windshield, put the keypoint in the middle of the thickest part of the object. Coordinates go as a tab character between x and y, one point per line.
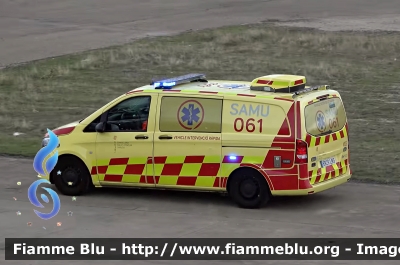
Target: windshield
325	117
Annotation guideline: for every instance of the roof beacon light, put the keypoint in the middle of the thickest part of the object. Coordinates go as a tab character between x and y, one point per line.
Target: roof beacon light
174	81
279	83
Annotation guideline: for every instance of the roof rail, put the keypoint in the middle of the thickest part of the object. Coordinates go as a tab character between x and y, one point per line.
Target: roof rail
309	89
174	81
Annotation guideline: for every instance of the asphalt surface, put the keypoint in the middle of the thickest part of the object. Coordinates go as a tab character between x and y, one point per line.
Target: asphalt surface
352	210
31	30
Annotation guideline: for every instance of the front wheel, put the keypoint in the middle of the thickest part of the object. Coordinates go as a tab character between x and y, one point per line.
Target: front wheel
71	177
248	189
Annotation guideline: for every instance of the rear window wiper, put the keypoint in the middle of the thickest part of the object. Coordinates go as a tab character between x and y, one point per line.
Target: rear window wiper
327	132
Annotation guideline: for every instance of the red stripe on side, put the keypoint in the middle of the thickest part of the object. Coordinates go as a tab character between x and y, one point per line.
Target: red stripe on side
329	168
209	169
143	179
216	182
318	178
303	171
171	169
153	180
135	169
159	159
285	182
271	186
170	90
291	125
304	184
308	139
131	92
194	159
317	141
93	171
284	130
118	161
341	134
327	138
291	171
284	99
115	178
102	169
224	182
208	92
186	181
334	136
246	95
348	136
298	120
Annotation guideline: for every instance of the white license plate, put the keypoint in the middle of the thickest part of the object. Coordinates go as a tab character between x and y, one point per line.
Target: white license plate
328	162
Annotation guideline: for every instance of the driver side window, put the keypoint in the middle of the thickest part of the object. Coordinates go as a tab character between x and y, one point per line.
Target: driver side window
129	115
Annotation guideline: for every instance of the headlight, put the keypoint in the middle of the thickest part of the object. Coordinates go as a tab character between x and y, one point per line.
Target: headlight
45	142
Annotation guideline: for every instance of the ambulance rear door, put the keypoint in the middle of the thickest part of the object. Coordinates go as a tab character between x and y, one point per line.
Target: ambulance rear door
325	131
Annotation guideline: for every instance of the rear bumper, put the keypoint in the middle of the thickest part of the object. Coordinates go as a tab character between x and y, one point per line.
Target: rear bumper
326	185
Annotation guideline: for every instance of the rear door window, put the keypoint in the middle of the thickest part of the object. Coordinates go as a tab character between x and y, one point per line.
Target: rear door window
325	117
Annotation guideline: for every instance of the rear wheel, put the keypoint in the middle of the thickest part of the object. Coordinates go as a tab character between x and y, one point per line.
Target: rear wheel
248	189
71	176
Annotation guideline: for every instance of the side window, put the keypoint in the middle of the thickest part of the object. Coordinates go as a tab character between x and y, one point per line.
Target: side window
91	127
184	114
129	115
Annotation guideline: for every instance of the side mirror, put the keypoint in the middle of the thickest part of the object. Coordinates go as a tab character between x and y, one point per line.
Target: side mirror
100	127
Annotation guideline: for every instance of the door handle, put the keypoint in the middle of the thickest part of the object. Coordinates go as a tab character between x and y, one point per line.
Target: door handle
141	137
165	137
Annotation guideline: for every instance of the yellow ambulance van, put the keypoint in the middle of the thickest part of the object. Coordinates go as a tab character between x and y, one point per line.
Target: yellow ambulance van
273	136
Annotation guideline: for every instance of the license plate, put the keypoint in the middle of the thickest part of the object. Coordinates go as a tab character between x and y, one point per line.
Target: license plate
328	162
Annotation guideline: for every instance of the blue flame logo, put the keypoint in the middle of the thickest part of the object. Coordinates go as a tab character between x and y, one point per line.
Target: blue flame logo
50	163
44	152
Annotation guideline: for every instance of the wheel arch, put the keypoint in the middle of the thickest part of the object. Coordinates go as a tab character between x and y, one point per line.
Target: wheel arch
66	156
252	168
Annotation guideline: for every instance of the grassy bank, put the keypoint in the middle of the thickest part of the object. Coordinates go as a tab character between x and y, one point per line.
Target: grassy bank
363	67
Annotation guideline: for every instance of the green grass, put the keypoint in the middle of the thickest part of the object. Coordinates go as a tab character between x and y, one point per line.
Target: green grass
363	67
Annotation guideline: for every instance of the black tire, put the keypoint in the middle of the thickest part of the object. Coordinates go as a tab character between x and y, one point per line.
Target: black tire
71	176
248	189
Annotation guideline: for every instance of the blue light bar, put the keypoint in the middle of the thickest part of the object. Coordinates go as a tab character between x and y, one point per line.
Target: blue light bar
171	82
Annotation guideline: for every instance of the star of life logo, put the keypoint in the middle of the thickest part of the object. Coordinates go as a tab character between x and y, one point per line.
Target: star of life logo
190	114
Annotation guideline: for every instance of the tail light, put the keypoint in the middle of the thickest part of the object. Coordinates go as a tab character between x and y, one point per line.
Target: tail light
301	152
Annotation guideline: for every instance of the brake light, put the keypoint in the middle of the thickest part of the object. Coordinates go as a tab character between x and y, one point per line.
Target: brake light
298	82
301	152
265	82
